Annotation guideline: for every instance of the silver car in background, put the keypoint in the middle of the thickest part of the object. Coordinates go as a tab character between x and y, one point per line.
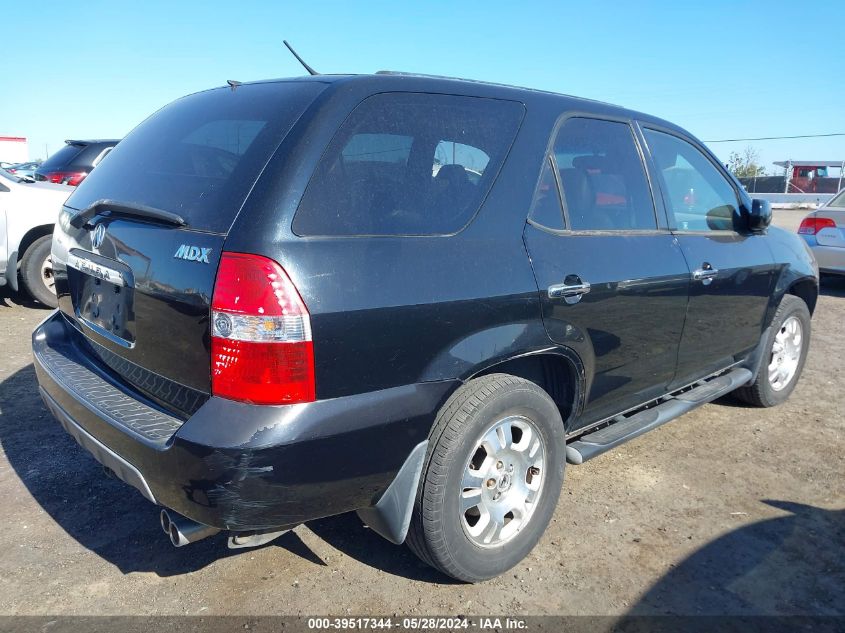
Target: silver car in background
23	170
824	232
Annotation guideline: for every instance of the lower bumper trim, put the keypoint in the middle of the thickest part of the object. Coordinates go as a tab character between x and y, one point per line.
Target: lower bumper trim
122	469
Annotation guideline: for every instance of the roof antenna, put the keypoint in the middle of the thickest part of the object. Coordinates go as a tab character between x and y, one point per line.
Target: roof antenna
233	84
310	70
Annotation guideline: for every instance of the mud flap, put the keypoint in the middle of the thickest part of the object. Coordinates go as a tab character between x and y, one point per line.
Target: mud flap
391	515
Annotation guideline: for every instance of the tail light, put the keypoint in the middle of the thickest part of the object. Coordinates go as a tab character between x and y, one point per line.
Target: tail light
72	178
812	225
261	348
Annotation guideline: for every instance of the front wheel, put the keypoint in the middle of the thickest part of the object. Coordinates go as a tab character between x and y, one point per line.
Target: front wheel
785	353
491	478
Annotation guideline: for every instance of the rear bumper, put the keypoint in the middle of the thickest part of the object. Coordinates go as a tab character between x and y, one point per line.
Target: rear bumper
831	259
232	465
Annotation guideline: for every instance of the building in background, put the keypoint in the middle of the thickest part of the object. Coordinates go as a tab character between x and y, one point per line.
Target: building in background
14	149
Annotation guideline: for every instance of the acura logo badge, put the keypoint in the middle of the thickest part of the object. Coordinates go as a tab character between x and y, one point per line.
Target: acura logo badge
99	234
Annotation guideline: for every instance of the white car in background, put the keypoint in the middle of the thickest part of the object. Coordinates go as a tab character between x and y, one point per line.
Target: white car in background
28	212
824	232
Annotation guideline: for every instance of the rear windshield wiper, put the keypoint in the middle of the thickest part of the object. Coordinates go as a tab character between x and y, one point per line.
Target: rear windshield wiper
126	209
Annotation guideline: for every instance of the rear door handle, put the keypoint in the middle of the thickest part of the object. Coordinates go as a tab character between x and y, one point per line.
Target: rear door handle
571	293
706	274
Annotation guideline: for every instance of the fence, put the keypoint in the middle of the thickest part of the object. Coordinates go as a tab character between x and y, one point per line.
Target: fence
777	184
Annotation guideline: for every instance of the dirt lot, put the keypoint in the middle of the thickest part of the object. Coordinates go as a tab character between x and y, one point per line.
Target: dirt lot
726	510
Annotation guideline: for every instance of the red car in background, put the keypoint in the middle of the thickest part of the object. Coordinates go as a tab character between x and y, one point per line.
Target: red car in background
71	164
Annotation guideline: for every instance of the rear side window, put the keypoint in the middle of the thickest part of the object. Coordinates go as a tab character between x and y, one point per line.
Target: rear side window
408	164
200	155
602	177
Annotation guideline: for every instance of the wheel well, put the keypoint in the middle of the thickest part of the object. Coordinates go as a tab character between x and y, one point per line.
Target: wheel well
807	290
554	373
32	235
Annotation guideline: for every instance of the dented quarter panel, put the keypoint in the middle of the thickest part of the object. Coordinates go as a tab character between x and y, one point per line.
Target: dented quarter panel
241	467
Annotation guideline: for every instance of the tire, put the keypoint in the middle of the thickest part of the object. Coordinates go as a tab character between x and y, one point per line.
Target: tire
440	530
764	392
34	263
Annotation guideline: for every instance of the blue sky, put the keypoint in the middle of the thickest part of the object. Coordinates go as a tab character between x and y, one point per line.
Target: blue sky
720	69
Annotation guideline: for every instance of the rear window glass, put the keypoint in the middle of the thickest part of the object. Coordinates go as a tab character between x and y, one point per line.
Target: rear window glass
62	158
408	164
90	156
200	155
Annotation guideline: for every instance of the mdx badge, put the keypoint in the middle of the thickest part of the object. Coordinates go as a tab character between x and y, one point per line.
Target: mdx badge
193	253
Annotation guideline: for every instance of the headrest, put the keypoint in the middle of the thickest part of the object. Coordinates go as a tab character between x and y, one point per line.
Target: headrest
604	164
577	190
452	174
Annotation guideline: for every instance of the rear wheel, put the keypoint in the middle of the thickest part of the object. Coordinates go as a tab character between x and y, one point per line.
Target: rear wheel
491	479
786	351
37	271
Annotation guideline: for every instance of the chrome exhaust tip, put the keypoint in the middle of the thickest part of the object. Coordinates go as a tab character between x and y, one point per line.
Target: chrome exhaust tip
164	519
182	530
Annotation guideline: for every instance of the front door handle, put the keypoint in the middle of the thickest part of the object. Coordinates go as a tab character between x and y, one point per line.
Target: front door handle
706	274
571	293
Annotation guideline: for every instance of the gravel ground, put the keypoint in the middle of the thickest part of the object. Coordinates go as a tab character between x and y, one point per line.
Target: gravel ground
726	510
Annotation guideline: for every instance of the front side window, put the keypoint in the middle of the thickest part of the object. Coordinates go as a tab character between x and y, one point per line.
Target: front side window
408	164
699	197
602	177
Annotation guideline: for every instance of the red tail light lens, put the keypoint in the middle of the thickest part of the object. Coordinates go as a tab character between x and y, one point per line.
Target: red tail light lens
261	348
812	225
72	178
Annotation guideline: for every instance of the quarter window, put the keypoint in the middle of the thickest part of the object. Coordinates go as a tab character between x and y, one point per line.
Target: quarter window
408	164
473	160
699	197
602	177
378	148
546	209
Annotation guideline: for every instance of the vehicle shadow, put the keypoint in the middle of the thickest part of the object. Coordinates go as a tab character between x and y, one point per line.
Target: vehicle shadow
832	286
789	565
349	535
115	522
104	515
10	298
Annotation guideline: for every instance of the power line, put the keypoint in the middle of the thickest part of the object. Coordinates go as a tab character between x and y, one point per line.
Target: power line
776	138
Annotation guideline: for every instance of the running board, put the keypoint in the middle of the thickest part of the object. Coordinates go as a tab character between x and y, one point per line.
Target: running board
623	428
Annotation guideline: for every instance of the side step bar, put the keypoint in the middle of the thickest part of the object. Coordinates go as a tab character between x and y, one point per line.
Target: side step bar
623	428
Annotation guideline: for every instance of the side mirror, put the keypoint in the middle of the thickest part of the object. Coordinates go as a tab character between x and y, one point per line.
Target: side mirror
760	217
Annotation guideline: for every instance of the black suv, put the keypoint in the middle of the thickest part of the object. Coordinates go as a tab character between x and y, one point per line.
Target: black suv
72	164
408	296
